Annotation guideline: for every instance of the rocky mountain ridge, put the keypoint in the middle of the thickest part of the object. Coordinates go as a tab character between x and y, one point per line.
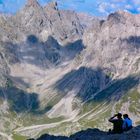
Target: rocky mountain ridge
60	75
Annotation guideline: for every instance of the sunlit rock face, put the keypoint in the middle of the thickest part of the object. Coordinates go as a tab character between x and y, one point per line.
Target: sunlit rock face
114	43
63	73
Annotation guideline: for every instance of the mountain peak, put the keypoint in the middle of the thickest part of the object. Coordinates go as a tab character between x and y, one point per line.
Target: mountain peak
119	13
52	5
118	17
32	3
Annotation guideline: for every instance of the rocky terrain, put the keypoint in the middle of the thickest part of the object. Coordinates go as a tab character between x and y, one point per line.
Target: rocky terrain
96	134
60	74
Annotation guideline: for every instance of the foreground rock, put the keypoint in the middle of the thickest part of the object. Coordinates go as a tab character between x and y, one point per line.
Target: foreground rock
96	134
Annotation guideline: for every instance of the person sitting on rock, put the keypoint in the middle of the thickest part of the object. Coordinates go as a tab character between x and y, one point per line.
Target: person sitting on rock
127	123
117	124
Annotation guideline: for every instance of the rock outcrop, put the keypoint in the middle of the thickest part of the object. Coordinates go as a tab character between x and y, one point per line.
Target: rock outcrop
96	134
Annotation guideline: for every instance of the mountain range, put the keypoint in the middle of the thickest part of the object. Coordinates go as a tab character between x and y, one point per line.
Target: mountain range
62	71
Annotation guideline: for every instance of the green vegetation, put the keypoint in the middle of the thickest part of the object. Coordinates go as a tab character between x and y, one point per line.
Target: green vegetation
88	106
55	100
66	129
132	98
98	119
30	119
19	137
1	101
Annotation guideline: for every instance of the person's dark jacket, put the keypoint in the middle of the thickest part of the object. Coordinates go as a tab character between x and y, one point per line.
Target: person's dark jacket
117	125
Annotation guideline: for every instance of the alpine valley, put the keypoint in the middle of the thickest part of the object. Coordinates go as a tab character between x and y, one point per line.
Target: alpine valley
62	71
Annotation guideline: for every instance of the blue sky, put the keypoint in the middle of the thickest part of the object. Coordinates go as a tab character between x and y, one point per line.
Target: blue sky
95	7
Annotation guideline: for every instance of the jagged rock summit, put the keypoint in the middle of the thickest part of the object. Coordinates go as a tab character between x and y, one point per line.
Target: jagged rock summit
53	5
33	3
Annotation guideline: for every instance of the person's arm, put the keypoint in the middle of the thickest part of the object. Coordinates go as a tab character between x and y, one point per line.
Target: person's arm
124	125
112	118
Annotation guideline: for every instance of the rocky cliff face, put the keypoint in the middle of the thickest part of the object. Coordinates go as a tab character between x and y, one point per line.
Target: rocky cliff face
58	71
114	43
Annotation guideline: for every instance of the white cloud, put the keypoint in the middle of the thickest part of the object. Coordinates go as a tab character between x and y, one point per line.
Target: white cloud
106	7
136	2
103	7
138	9
97	7
128	7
